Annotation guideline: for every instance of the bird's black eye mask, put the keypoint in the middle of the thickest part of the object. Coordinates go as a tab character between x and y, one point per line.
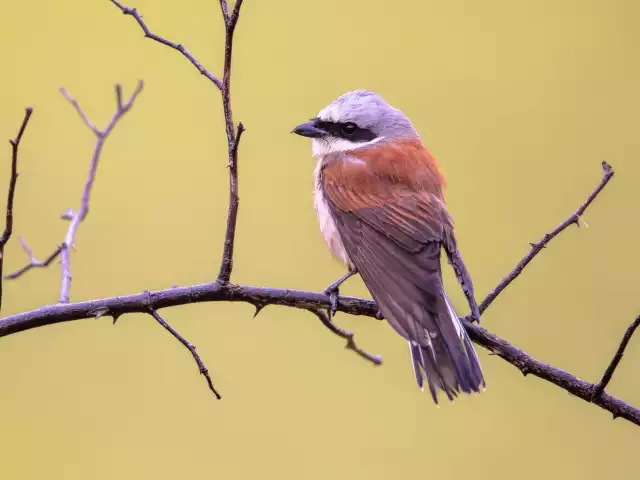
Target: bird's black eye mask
347	130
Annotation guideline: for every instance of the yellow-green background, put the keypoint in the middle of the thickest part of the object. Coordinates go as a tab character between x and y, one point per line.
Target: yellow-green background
519	100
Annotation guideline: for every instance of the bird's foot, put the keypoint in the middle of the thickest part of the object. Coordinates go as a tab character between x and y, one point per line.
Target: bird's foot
333	291
334	295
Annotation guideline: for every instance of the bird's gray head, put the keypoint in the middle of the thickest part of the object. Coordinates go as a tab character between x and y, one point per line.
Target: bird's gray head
354	120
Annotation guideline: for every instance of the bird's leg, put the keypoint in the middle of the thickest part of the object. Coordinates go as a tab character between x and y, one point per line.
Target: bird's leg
333	290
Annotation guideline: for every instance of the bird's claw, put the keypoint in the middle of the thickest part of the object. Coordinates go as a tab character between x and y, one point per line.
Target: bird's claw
333	291
334	296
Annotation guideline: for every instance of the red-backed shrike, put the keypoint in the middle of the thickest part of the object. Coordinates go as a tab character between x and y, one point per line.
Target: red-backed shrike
379	199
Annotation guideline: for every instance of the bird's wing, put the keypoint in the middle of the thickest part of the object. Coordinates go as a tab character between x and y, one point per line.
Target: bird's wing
388	206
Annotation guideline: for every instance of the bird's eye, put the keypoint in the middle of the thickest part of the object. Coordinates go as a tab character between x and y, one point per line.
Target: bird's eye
349	129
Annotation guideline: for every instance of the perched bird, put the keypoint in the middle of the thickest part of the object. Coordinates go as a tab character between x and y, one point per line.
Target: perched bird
380	205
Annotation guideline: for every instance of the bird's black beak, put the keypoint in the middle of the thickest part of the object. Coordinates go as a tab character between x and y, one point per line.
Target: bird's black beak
309	129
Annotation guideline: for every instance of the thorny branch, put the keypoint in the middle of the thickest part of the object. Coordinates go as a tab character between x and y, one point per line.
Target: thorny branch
537	247
8	226
190	347
317	303
228	292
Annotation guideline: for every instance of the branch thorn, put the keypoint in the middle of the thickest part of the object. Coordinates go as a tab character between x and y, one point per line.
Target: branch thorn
258	307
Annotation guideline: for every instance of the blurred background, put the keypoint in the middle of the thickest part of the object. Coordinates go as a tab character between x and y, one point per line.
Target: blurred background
519	101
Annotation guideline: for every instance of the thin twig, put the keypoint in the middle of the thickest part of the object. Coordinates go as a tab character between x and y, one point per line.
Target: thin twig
236	14
225	10
233	141
608	374
348	336
83	115
201	366
148	34
8	226
537	247
226	264
33	261
78	216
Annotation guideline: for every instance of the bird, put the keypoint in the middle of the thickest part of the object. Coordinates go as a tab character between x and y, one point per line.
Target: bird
379	198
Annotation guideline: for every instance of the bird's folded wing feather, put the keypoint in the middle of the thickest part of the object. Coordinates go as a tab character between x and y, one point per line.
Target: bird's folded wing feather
388	205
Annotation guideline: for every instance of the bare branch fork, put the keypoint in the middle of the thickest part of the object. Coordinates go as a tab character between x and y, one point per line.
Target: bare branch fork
317	303
233	134
33	261
76	218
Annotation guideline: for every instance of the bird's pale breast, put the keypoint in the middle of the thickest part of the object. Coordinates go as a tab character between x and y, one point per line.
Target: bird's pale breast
326	220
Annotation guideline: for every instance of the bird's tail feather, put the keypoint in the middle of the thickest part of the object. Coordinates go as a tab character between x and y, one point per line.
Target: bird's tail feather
447	360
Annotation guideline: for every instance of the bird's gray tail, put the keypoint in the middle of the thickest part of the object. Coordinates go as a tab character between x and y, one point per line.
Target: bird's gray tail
447	360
